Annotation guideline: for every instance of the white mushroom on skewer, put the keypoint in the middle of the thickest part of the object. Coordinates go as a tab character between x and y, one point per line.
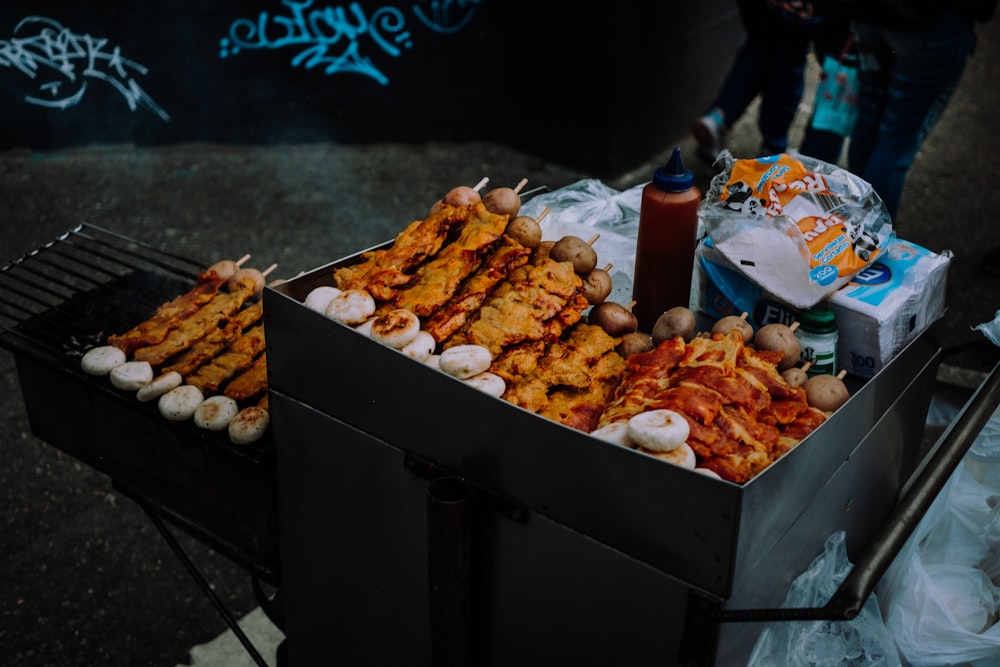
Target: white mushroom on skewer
319	298
421	347
179	403
215	412
159	386
488	383
682	456
396	328
131	375
659	430
616	433
351	307
464	361
101	360
249	425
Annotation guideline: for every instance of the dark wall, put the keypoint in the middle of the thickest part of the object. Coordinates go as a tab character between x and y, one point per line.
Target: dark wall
598	87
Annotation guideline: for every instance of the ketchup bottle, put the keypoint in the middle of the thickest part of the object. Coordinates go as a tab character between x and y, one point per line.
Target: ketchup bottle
666	242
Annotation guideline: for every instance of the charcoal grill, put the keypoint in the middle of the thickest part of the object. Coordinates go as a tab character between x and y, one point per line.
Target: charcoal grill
67	296
569	550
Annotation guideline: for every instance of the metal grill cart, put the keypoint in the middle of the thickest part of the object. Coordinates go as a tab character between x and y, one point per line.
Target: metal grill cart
62	299
419	521
558	548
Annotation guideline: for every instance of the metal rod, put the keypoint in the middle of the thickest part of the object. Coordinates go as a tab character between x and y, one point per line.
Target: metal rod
448	562
204	585
926	484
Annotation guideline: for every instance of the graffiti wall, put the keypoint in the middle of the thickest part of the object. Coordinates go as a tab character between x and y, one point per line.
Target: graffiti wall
579	84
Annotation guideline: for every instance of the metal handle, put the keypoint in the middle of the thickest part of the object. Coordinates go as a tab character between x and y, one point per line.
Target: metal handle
923	488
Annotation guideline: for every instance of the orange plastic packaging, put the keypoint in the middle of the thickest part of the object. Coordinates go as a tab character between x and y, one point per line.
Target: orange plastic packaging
785	186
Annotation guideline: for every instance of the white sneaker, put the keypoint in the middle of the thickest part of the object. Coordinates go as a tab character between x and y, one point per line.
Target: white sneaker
710	131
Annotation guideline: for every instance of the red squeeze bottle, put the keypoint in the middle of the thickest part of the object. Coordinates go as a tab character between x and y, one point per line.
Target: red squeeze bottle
666	242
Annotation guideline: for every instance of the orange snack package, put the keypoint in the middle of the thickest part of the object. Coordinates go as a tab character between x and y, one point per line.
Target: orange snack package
799	227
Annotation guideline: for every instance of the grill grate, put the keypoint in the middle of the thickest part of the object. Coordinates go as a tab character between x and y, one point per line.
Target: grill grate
68	295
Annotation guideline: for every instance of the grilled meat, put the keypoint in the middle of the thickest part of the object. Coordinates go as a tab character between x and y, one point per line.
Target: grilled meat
191	329
169	315
742	413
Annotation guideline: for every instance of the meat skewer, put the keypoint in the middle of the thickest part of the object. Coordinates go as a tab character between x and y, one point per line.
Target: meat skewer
386	269
153	330
436	281
215	341
236	358
250	382
195	327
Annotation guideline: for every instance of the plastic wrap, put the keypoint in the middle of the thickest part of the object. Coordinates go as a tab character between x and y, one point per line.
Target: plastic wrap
863	641
590	207
798	227
940	596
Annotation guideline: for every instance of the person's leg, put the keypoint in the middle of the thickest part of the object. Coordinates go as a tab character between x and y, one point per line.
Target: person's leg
923	70
785	61
741	85
874	64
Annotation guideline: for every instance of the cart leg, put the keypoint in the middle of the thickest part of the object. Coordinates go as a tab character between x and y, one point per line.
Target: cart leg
448	556
205	587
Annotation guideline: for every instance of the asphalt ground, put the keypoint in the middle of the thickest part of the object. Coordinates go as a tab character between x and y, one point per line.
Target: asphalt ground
85	577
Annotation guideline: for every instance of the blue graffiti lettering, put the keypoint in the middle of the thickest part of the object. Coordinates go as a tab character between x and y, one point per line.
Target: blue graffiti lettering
317	32
63	61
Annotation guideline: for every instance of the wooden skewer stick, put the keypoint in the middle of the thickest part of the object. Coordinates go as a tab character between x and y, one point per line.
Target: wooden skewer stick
607	269
242	260
793	326
841	374
630	306
268	270
593	239
520	185
481	184
544	213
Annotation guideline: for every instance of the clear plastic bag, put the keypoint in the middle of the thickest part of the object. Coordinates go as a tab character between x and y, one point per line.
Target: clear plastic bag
589	207
862	641
799	227
939	597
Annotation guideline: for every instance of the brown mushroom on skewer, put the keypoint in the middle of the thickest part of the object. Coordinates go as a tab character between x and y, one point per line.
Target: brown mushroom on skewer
505	201
616	319
780	338
597	285
730	322
797	375
575	250
826	392
526	230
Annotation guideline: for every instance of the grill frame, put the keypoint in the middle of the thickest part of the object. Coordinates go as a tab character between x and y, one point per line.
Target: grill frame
68	295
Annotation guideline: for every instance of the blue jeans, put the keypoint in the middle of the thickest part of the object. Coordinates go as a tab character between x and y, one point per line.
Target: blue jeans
906	79
770	63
